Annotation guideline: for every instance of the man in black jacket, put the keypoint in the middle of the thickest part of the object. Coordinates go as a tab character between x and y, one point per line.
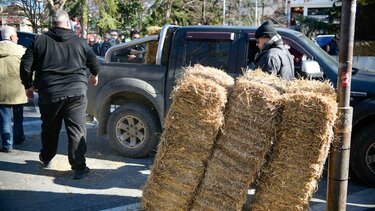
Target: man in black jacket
273	57
59	59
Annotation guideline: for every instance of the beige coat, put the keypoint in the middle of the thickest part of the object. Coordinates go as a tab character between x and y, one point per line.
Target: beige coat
11	89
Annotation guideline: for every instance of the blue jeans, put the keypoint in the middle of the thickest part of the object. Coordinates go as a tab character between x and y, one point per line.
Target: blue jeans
6	126
18	134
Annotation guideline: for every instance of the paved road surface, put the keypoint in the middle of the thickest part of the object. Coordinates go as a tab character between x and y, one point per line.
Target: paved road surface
114	183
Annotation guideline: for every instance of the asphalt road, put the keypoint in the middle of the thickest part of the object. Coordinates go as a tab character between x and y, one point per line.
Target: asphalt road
114	183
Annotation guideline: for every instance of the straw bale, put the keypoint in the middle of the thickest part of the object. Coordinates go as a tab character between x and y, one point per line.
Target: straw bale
304	85
152	47
290	177
207	73
265	78
190	129
153	30
240	151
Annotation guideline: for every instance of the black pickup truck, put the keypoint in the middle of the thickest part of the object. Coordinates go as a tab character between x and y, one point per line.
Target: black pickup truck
133	96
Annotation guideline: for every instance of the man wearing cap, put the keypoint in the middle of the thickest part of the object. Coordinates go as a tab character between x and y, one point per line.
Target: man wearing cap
115	39
105	45
273	57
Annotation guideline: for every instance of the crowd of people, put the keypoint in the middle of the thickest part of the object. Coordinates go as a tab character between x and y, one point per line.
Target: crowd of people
54	65
100	47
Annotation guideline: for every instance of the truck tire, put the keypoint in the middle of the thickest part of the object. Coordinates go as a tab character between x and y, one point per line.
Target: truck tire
363	155
133	130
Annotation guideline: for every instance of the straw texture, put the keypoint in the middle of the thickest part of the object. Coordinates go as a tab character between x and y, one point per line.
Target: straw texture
290	177
190	130
240	151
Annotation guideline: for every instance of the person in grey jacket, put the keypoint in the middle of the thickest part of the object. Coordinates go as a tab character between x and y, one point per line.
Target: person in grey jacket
273	56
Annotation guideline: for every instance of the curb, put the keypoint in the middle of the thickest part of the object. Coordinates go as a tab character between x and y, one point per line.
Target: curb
354	201
130	207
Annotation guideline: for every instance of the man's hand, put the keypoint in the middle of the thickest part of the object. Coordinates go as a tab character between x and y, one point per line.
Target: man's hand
93	80
131	57
30	92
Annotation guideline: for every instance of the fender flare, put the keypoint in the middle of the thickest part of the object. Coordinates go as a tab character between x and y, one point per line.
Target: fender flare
132	85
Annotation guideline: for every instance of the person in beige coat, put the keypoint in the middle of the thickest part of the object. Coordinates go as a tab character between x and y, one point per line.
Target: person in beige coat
12	92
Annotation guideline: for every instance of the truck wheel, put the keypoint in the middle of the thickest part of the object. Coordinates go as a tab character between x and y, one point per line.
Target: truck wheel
133	130
363	155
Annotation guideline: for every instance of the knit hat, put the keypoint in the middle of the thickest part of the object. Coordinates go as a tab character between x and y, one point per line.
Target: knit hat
266	29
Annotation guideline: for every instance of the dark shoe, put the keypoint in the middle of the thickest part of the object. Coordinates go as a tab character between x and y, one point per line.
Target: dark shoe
6	150
19	142
46	164
79	174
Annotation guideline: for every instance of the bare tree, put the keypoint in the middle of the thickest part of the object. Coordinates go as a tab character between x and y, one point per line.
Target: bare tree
34	10
54	5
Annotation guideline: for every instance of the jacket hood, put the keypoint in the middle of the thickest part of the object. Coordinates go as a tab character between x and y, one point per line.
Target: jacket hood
9	48
60	34
273	42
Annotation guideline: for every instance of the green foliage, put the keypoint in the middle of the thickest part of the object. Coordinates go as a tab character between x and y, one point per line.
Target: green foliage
312	27
109	15
73	8
107	22
364	2
184	12
130	12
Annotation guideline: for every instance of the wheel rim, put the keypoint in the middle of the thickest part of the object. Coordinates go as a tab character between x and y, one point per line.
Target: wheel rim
130	131
370	158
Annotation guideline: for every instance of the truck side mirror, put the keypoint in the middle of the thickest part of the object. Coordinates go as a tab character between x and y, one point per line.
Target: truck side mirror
311	69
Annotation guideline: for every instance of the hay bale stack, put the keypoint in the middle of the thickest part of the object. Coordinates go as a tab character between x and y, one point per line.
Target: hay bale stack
290	177
240	151
190	130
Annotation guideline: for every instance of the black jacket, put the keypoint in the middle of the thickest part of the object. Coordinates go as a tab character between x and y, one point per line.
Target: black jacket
59	59
275	59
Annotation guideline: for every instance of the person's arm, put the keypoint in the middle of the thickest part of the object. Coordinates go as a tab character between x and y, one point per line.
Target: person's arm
26	67
94	67
136	52
272	65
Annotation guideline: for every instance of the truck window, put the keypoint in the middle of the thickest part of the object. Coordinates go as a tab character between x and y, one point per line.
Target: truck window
144	53
208	52
298	53
252	50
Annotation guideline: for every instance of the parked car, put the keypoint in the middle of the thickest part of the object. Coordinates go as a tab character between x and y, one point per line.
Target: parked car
132	99
24	38
323	40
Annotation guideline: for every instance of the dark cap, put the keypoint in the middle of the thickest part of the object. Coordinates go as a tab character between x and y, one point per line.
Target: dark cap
266	29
